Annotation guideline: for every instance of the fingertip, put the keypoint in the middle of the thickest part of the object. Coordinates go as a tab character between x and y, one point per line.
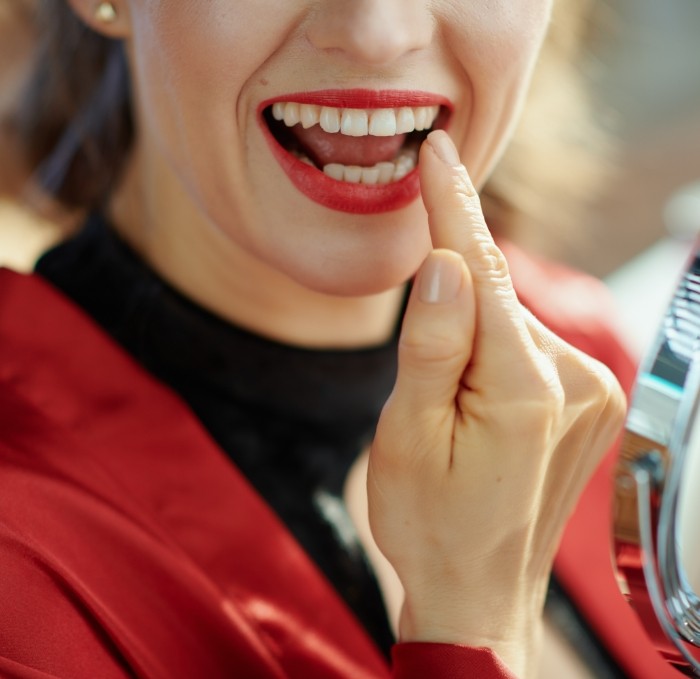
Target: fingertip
443	176
444	148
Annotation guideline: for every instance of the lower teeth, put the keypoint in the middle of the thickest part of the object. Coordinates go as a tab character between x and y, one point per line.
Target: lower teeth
381	173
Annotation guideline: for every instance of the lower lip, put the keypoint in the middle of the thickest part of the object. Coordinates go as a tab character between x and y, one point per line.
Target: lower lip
343	196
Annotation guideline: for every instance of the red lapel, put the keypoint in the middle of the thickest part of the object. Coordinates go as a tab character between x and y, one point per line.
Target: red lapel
144	520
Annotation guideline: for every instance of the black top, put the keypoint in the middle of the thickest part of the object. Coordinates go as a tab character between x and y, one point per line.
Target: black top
293	420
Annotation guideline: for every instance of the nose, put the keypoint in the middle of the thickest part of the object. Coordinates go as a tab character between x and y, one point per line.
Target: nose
373	32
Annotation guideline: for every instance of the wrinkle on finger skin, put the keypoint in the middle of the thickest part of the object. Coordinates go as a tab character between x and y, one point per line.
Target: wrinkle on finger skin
488	264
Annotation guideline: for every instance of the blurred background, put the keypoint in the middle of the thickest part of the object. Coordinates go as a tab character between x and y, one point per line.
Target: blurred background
645	69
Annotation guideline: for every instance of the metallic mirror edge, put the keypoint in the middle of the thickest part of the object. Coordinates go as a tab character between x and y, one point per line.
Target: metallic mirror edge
648	477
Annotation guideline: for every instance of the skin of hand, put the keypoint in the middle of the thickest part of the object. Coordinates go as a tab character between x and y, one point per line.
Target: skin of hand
487	440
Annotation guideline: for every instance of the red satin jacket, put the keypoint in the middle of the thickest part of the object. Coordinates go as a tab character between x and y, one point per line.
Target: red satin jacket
130	546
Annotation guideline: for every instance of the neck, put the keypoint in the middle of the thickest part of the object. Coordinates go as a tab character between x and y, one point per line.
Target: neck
203	263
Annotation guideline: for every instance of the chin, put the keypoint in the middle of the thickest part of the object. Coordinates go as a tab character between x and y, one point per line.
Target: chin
360	275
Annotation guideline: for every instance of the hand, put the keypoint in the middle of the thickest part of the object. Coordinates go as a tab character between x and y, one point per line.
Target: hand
492	430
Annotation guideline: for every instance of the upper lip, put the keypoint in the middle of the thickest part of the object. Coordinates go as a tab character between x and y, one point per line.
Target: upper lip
360	98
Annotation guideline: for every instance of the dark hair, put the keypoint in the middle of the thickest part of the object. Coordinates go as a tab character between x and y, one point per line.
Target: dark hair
75	116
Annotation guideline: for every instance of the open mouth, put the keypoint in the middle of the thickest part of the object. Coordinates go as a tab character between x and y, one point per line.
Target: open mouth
353	150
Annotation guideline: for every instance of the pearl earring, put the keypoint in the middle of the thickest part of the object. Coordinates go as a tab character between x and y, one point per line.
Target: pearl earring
106	12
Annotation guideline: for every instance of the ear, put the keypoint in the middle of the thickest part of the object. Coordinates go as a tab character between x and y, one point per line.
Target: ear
109	18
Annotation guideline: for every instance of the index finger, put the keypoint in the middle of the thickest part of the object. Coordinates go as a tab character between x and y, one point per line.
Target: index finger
457	223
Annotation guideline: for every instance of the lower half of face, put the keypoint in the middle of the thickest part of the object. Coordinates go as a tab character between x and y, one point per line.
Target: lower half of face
294	127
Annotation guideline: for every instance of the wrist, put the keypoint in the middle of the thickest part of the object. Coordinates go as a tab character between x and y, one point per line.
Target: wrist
511	626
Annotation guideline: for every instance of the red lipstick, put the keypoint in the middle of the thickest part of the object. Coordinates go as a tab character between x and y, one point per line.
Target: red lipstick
341	195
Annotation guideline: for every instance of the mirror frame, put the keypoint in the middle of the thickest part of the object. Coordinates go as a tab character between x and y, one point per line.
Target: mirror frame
662	420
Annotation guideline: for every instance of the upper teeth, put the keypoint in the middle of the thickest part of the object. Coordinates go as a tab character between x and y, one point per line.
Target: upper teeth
357	122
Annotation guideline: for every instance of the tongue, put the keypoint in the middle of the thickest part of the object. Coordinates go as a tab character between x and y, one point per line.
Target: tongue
324	148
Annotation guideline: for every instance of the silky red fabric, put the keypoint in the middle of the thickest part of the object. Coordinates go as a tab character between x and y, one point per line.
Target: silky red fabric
130	546
420	660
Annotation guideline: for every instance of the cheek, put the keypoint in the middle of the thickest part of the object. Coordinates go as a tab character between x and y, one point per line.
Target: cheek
495	43
497	40
191	64
204	43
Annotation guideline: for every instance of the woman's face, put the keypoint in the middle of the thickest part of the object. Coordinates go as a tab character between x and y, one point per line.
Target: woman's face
212	77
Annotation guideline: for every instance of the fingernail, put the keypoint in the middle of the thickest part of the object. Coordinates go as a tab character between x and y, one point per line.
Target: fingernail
444	148
440	278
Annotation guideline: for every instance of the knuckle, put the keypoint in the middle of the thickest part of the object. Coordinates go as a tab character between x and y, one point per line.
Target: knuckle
459	193
554	397
603	397
545	383
601	382
611	395
461	203
486	260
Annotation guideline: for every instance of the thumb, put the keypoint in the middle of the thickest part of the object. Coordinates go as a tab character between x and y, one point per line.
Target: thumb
437	335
